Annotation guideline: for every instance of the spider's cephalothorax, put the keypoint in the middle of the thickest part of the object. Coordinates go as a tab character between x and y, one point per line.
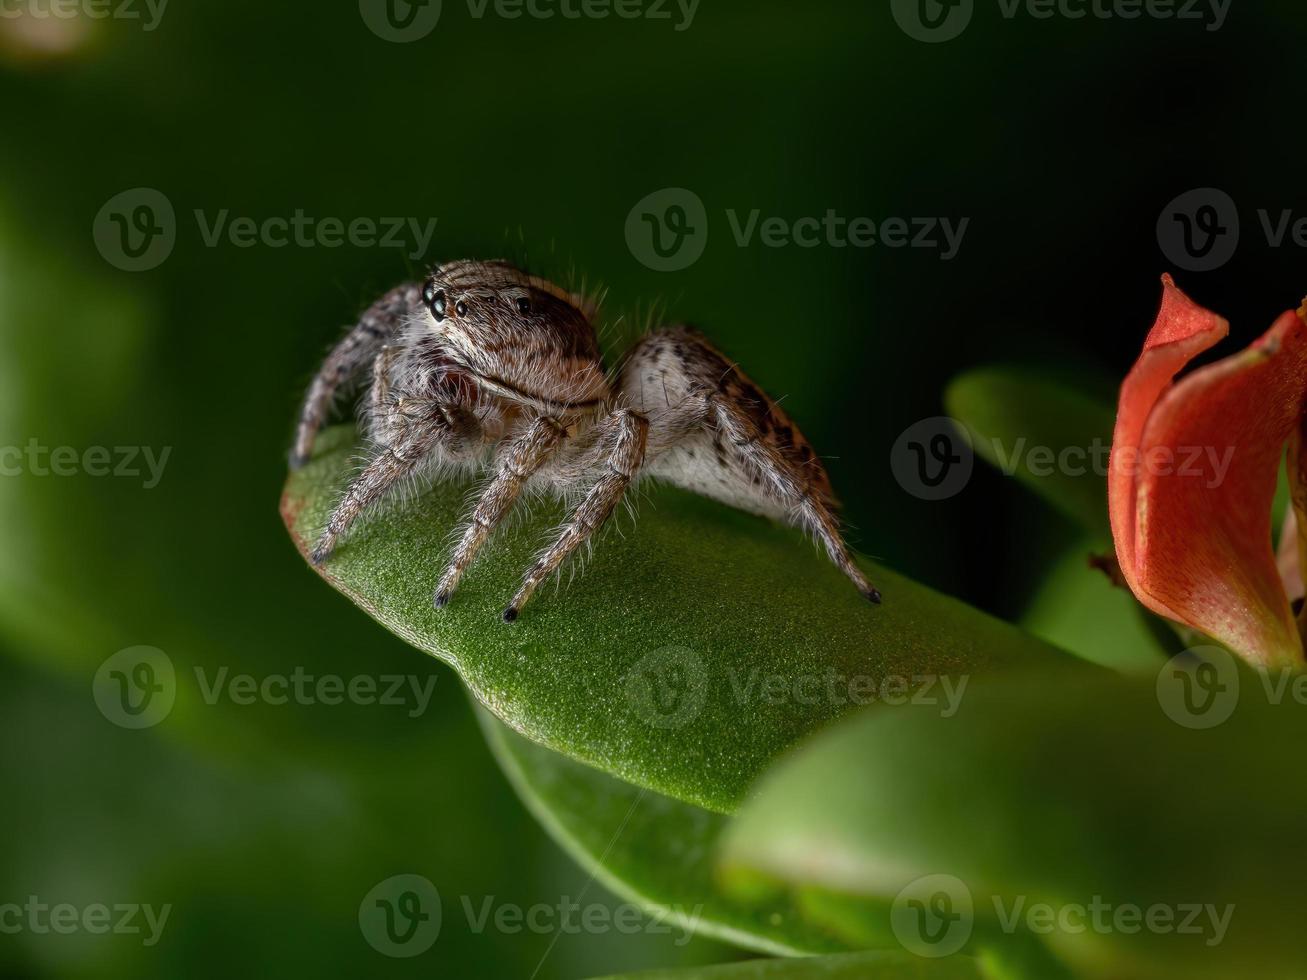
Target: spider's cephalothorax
486	368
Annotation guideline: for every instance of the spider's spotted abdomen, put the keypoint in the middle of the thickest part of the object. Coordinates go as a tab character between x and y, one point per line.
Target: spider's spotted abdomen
678	372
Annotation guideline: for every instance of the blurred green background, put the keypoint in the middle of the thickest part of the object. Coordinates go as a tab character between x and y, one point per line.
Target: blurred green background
1060	140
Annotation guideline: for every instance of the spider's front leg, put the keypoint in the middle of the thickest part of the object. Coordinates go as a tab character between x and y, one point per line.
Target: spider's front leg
619	453
379	323
420	427
522	459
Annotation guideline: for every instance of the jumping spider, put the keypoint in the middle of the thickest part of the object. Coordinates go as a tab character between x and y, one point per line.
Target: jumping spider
485	368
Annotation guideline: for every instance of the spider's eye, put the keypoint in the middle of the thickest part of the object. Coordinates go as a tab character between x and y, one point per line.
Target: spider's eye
461	308
436	301
523	305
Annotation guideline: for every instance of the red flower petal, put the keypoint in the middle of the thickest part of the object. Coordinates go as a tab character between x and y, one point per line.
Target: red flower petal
1191	504
1182	331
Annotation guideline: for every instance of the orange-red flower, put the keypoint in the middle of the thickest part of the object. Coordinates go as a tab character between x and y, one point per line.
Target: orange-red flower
1193	473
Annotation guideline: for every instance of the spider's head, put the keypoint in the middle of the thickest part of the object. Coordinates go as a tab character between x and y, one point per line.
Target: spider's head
519	336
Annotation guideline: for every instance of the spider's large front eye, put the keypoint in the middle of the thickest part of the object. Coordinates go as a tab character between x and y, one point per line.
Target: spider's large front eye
523	305
435	299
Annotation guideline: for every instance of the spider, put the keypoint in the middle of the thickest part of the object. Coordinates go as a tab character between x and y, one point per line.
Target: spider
485	368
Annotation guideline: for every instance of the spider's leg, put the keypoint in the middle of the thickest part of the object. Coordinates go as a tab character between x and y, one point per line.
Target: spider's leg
726	439
808	506
617	455
422	432
378	324
522	458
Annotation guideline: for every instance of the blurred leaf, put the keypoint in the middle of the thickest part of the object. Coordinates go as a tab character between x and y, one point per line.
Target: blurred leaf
1067	795
646	847
850	966
1079	608
1043	431
699	644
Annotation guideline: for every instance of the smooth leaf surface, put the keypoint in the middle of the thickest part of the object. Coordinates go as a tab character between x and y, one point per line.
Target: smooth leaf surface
1065	795
697	646
850	966
1049	435
1079	608
646	847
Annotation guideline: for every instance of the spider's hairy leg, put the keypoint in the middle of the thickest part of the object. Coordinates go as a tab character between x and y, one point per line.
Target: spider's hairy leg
378	324
390	464
619	453
715	432
520	460
809	506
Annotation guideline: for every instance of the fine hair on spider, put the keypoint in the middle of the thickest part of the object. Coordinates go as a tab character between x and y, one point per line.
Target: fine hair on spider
483	369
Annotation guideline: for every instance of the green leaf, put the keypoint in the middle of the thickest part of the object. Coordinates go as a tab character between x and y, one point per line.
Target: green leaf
1082	610
697	646
1064	795
1045	432
647	848
850	966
